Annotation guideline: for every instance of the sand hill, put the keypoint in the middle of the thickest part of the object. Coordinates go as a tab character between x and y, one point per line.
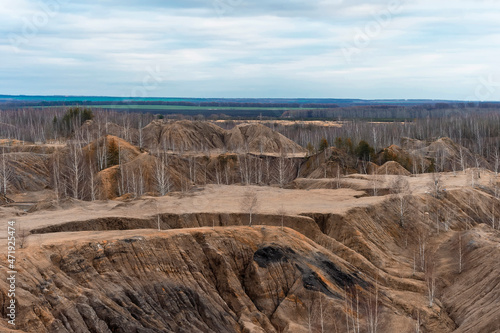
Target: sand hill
111	270
392	168
27	171
183	135
443	154
203	136
261	139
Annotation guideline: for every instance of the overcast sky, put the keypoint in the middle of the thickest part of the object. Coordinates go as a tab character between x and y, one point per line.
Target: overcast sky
446	49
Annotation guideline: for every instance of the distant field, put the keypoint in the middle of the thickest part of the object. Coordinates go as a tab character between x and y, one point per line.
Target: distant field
206	111
184	108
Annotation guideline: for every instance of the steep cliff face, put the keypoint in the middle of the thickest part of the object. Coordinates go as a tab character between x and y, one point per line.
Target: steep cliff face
472	296
193	280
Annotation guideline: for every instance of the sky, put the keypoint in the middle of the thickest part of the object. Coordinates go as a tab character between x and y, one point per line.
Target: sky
400	49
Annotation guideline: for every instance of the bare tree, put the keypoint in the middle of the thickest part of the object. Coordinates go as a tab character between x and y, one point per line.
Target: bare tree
474	177
56	174
5	172
422	246
346	309
22	235
284	169
282	212
162	174
250	204
321	313
375	184
140	131
463	162
430	278
372	309
447	218
460	253
497	161
401	189
436	185
75	170
309	304
399	185
338	183
102	154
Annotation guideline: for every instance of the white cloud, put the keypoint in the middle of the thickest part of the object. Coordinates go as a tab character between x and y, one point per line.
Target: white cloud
287	48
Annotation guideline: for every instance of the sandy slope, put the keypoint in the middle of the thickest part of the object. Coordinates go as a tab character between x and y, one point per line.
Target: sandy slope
347	224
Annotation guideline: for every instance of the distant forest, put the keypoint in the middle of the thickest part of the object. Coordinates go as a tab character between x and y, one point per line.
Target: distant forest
298	109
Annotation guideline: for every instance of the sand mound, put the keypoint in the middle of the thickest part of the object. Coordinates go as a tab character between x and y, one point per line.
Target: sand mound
406	158
261	139
138	176
392	168
203	136
105	144
329	163
412	144
449	151
444	155
183	135
27	171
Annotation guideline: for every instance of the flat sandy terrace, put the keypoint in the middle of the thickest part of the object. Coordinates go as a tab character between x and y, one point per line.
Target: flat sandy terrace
212	199
229	199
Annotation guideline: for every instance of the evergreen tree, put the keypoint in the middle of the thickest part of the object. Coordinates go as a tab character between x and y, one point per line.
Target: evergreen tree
364	151
323	144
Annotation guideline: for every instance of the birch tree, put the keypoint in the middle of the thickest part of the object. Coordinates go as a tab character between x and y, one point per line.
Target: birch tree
250	204
5	172
430	279
75	170
162	174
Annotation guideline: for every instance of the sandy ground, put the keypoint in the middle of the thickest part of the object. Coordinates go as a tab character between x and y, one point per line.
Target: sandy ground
230	199
219	199
323	123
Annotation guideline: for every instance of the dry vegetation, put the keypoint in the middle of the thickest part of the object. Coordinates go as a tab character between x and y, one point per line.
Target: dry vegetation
142	225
